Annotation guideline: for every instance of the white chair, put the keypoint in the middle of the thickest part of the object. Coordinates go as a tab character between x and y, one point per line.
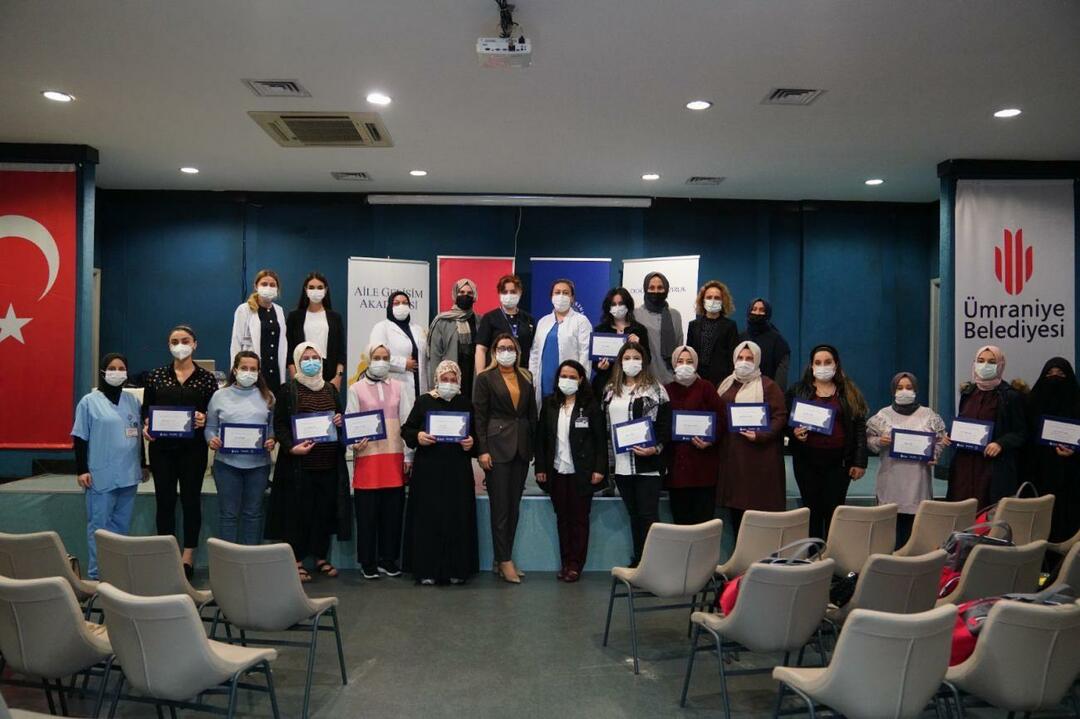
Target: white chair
1069	571
677	561
934	522
991	571
898	585
42	554
1027	517
1063	548
885	665
857	532
779	609
258	590
145	566
165	656
1027	658
761	534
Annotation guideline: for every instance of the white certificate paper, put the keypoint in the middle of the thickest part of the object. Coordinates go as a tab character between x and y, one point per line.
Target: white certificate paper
811	415
607	346
365	425
693	425
447	425
311	427
170	420
631	434
970	435
1059	431
233	437
748	416
912	444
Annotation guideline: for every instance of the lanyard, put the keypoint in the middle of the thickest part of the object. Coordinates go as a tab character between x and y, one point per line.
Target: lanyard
513	327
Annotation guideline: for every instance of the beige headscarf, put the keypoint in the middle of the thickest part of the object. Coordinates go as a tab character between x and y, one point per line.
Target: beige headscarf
445	366
693	359
752	390
315	383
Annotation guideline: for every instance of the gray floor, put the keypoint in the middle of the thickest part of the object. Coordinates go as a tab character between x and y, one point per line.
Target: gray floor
490	649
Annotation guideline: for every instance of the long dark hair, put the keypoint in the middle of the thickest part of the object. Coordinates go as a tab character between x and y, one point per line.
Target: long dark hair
304	301
846	389
644	378
627	299
584	392
264	389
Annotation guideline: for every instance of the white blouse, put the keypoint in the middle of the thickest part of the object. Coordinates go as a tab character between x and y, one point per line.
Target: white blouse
564	459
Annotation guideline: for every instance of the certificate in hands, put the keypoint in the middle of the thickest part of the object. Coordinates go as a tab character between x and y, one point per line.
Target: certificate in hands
606	346
172	422
314	426
447	426
747	416
912	445
685	425
243	438
364	425
635	433
815	416
1059	431
973	434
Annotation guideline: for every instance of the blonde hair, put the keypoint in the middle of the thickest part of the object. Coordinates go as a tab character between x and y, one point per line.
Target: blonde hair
494	365
725	297
253	298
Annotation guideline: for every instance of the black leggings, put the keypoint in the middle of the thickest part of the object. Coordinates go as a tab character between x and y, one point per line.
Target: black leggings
378	525
823	483
185	466
641	495
692	505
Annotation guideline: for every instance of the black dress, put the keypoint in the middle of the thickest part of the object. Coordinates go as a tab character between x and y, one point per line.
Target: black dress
440	516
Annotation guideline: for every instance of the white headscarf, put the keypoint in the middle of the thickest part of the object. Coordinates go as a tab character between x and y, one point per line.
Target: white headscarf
315	383
752	390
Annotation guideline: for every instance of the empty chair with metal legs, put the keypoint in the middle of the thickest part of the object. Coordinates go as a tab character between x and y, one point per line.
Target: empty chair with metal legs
145	566
900	585
991	571
934	522
761	534
857	532
42	554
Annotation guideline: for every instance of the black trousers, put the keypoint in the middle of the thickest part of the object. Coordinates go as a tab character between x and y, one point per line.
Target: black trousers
904	524
505	485
316	514
184	466
378	525
692	505
823	483
641	495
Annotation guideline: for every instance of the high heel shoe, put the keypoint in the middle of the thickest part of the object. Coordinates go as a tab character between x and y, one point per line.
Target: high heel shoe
508	573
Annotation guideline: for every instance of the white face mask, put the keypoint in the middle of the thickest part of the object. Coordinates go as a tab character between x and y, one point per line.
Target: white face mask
685	372
561	303
400	312
713	305
379	368
115	377
985	370
246	377
506	358
825	372
316	295
568	386
743	369
631	367
619	311
510	301
266	292
904	396
448	390
180	351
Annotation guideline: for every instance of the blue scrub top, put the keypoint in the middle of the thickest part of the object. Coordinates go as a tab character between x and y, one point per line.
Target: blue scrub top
114	438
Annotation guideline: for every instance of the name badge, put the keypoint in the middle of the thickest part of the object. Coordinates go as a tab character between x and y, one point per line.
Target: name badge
582	422
131	432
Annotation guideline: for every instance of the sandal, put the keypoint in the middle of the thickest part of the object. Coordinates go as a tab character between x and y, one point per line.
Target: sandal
326	568
305	575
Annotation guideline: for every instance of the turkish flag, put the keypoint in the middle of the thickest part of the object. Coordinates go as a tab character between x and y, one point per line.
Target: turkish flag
37	305
484	271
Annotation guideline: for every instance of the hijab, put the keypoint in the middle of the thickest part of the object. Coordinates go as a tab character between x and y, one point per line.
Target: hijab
315	383
370	351
693	359
904	409
444	367
752	390
758	324
667	322
110	392
405	324
1055	396
457	315
773	346
989	384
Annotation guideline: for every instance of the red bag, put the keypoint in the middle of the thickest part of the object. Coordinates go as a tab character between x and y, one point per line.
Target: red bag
729	595
971	615
725	602
959	546
949	579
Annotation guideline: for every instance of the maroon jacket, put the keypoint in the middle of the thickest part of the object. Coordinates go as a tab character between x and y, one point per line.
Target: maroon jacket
689	466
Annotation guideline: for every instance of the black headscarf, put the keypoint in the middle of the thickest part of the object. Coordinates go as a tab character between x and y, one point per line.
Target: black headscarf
759	324
112	393
760	330
403	324
905	409
1055	396
667	322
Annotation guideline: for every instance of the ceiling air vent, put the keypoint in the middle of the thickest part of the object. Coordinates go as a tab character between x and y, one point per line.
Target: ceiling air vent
791	96
351	176
277	88
704	180
324	129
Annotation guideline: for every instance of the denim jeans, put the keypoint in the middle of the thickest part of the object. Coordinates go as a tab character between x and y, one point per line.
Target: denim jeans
107	510
240	501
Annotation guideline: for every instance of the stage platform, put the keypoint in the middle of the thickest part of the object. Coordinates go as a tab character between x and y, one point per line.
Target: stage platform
55	502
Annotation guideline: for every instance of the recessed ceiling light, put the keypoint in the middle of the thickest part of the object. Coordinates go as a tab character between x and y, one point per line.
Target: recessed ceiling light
57	96
189	170
875	181
418	173
698	105
651	176
1008	112
378	98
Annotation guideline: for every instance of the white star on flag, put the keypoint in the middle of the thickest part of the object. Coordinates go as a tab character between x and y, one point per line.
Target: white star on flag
11	326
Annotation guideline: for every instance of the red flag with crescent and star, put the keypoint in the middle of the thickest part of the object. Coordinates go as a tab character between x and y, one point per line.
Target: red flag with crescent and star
37	305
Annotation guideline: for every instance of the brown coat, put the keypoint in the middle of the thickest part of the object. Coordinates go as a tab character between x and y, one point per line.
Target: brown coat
752	474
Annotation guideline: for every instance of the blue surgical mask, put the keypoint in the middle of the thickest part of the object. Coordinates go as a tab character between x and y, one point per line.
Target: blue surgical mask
311	367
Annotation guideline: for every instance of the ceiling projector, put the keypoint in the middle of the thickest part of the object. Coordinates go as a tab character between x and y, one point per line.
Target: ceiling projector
502	52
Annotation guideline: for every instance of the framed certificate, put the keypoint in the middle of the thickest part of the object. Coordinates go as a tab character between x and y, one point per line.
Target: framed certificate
172	422
447	426
911	445
747	415
606	346
1059	431
316	426
815	416
364	425
973	434
635	433
242	438
685	425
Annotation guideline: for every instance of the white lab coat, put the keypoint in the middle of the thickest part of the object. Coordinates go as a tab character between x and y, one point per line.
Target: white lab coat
247	335
387	333
574	334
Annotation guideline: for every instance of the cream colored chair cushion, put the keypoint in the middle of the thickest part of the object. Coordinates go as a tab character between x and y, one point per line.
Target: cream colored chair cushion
40	554
934	522
678	560
857	532
145	566
991	571
1027	517
900	585
761	534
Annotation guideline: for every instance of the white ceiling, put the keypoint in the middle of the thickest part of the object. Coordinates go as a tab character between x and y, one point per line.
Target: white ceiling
908	84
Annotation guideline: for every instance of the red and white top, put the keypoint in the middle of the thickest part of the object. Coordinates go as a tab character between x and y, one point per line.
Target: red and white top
381	464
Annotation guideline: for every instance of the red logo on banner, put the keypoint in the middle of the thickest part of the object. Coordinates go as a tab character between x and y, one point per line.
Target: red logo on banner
1013	263
37	307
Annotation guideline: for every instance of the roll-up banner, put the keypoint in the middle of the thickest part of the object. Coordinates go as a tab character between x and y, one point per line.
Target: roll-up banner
484	271
371	280
682	274
591	277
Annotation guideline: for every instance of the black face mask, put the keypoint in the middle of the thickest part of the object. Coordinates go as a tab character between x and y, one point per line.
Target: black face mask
464	302
655	300
756	319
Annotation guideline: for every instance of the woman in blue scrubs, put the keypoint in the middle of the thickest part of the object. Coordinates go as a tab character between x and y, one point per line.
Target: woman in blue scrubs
108	453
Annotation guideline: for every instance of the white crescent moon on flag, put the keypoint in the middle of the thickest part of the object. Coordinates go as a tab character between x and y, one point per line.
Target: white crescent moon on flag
35	232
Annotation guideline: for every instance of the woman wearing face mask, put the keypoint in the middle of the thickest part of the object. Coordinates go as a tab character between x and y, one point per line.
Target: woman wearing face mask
564	334
1055	470
109	457
694	466
634	393
440	519
406	341
993	473
241	479
571	462
618	319
903	482
775	353
314	321
825	464
380	467
712	335
309	499
179	461
663	323
259	327
504	404
452	335
507	318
